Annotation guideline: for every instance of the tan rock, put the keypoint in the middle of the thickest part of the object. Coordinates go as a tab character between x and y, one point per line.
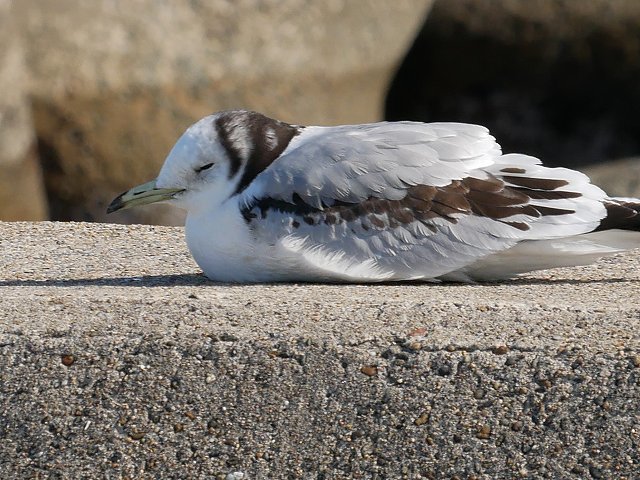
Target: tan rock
114	83
21	189
22	194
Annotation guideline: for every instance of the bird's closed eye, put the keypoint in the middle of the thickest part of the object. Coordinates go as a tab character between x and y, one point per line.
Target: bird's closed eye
204	167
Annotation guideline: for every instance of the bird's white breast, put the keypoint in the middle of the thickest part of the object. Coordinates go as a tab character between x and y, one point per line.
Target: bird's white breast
228	250
221	243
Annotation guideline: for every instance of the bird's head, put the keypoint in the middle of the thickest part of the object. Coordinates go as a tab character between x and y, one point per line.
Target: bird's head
214	159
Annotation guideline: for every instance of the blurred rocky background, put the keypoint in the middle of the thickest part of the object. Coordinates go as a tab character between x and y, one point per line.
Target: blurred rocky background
94	94
558	79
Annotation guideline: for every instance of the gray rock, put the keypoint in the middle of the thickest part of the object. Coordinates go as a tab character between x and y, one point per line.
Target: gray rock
114	83
117	358
22	195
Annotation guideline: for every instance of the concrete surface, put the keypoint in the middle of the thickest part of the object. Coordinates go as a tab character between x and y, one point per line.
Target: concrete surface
119	360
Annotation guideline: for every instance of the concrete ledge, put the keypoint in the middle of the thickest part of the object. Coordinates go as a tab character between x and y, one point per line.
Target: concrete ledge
117	359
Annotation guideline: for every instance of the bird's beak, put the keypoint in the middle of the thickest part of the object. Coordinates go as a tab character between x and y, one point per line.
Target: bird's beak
142	195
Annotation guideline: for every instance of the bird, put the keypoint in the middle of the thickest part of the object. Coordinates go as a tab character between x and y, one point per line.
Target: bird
269	201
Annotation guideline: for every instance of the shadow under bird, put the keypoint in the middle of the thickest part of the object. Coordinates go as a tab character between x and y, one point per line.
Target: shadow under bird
268	201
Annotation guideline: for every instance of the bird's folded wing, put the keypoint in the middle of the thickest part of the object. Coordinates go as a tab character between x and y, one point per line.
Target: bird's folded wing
398	200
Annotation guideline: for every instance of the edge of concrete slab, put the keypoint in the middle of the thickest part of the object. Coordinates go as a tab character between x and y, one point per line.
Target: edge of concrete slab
118	359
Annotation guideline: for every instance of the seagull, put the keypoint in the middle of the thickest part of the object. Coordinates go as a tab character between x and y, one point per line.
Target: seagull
269	201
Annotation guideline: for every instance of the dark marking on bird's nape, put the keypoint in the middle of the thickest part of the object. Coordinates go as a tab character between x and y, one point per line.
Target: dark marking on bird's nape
224	124
269	139
263	140
623	215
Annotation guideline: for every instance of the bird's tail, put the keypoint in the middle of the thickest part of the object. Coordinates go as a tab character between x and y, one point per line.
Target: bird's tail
619	231
622	214
531	255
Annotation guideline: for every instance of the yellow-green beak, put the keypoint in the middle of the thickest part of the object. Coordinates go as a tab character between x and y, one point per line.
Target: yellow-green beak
142	195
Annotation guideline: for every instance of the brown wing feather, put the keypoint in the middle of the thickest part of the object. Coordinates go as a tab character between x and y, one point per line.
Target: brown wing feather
490	197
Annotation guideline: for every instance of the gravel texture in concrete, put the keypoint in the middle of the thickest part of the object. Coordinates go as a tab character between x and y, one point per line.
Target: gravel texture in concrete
118	359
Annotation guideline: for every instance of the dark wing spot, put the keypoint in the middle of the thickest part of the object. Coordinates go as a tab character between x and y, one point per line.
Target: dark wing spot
513	170
550	211
330	219
417	205
535	183
444	211
425	216
519	225
491	198
379	206
490	184
451	199
546	195
403	215
503	198
223	125
498	203
422	192
376	222
347	214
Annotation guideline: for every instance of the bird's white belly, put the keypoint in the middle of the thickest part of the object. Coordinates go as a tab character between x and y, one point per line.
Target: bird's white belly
220	244
227	250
